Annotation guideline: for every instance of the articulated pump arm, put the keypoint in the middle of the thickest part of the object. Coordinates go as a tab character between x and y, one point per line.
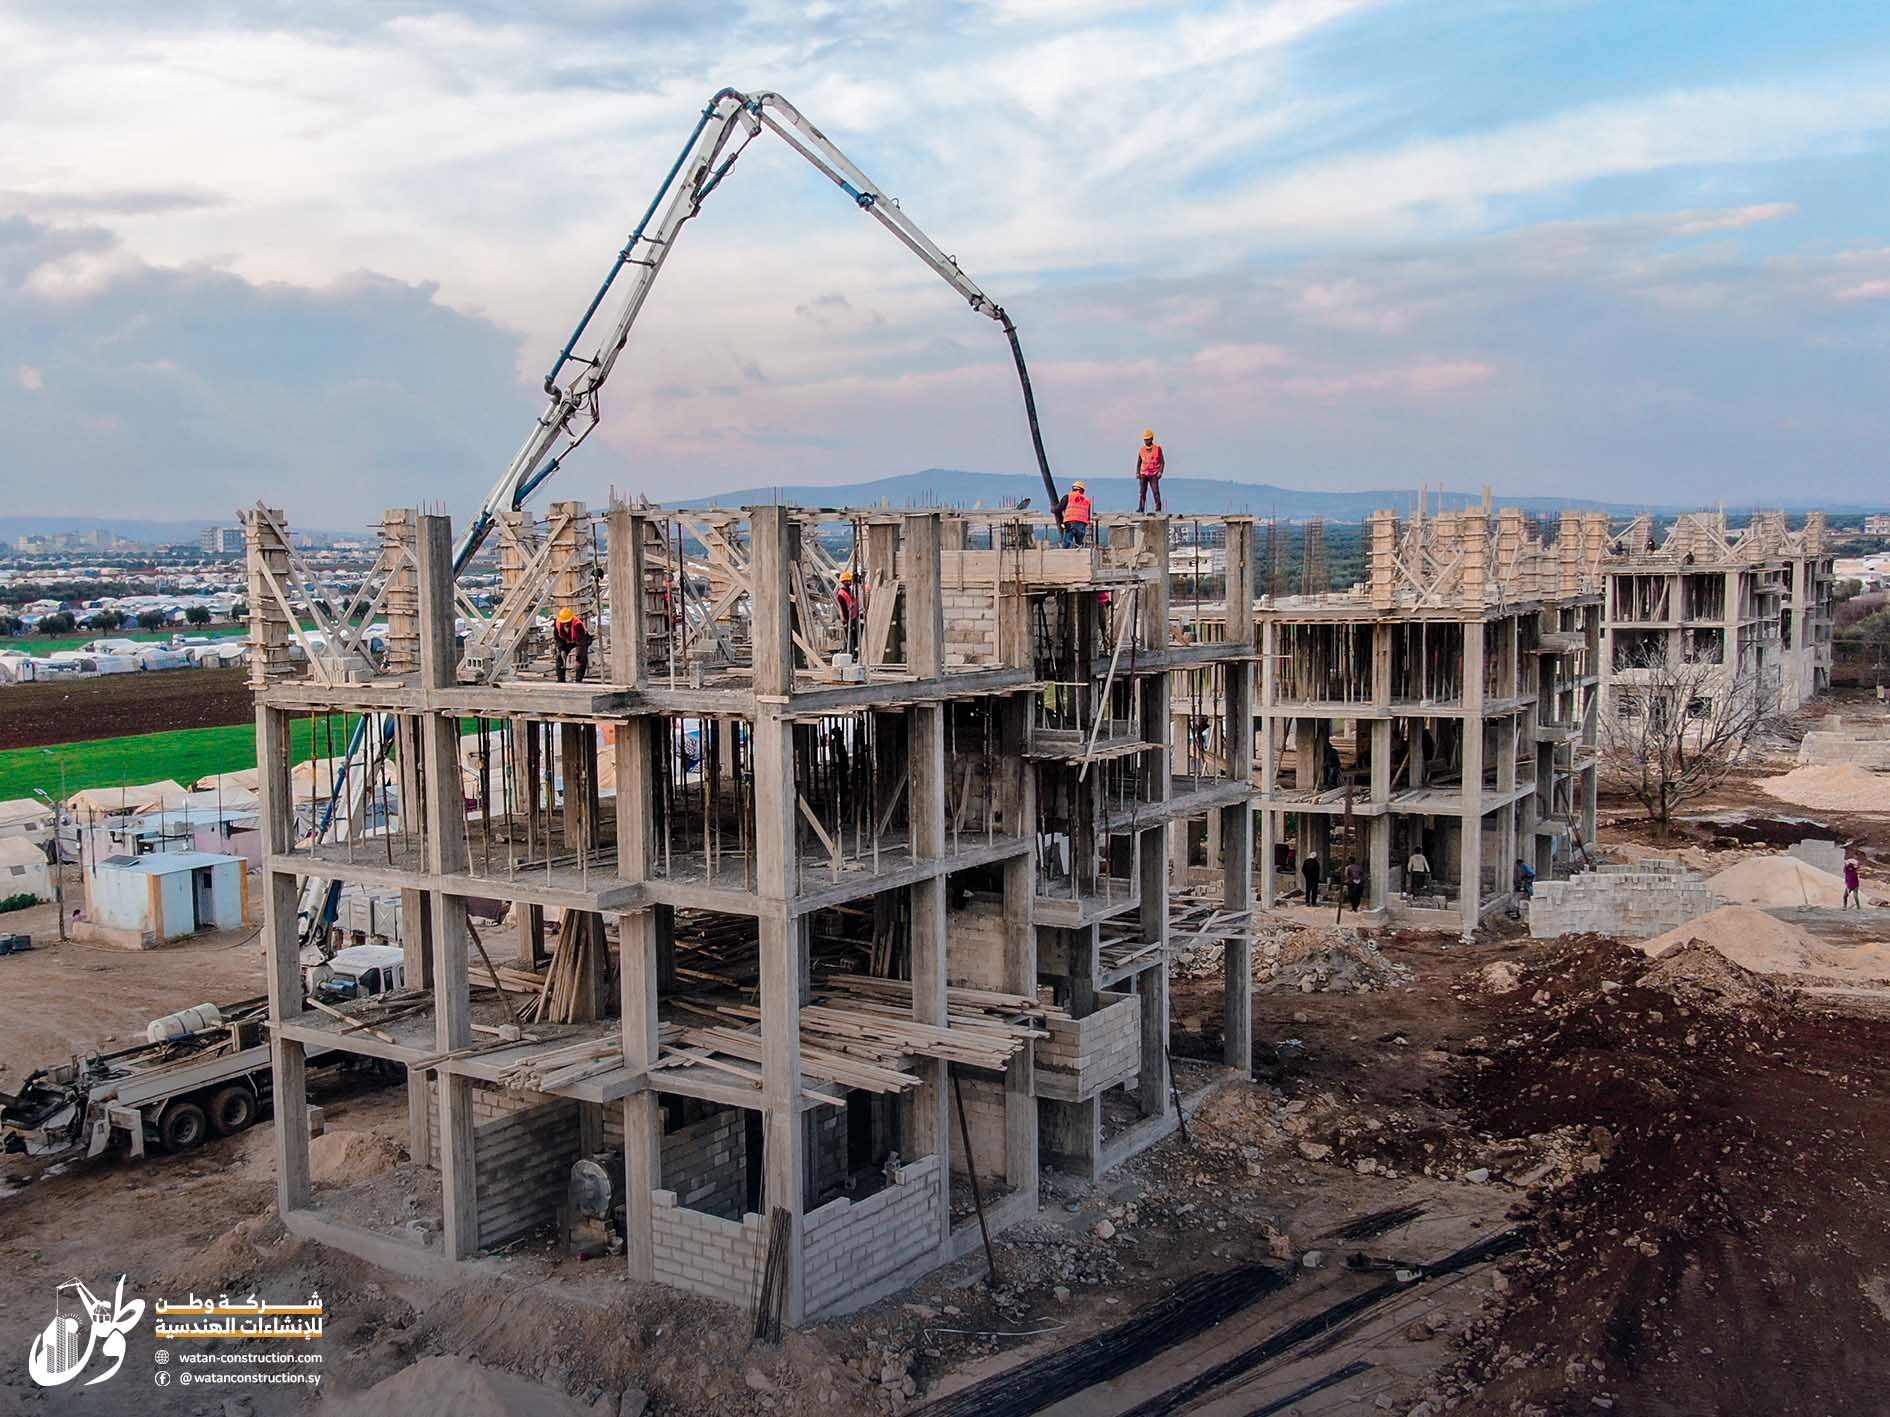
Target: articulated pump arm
571	411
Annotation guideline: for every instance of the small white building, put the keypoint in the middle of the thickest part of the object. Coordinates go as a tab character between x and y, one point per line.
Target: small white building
23	869
140	901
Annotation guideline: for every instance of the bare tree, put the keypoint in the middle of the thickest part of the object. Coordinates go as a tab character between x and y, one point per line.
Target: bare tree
1678	727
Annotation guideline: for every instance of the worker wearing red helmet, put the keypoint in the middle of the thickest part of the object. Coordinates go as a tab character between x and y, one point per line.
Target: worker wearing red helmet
1149	466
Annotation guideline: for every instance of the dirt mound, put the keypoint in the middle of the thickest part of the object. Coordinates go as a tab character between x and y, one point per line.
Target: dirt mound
454	1387
1325	960
1701	975
1721	1252
1777	880
1843	787
350	1156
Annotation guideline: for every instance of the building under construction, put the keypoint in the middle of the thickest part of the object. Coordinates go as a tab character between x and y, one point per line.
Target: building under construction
855	923
788	945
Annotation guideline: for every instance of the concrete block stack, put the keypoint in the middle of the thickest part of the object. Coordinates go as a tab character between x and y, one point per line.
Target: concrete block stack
1635	902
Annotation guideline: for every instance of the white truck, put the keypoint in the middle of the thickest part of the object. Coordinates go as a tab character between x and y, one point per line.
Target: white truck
201	1072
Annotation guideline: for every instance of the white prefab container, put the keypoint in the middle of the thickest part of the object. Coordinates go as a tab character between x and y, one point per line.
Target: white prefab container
145	900
18	669
163	659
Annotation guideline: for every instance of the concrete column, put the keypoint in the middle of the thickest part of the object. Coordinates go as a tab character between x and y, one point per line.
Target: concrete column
1020	977
1378	871
446	855
1237	873
282	955
639	987
1471	869
1151	985
623	570
932	1103
925	601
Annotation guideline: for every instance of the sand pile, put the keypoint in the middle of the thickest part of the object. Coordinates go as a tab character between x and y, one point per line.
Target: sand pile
352	1156
1776	881
455	1387
1756	941
1841	787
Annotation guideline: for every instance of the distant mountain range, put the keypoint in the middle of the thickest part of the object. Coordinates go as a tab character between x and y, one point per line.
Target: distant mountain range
949	487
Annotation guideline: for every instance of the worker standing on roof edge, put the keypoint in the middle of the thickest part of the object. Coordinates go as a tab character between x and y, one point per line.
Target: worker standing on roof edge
570	635
1149	466
848	601
1074	510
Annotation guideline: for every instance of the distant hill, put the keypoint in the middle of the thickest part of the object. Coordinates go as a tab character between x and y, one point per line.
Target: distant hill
948	487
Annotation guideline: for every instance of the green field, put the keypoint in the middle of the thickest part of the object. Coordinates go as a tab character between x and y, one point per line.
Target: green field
183	755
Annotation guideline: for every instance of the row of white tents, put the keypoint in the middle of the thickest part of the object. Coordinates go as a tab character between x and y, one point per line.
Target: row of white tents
17	667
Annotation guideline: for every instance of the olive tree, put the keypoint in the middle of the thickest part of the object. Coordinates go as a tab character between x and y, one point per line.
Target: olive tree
1677	727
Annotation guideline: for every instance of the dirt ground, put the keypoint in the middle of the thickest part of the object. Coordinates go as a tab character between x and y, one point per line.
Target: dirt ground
66	998
1501	1177
116	705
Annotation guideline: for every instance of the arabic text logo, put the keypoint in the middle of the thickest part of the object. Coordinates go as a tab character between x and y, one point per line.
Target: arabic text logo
57	1357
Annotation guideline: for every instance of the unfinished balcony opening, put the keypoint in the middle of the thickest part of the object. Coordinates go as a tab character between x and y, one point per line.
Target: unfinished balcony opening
983	775
1427	659
704	785
852	786
1325	663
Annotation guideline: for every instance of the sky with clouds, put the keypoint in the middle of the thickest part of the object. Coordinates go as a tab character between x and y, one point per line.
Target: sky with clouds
323	254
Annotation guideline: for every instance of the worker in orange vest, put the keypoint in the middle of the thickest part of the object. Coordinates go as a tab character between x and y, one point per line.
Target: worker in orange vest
1074	511
1149	466
570	636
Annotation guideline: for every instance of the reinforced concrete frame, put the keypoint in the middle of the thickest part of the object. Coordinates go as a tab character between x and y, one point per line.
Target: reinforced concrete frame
763	826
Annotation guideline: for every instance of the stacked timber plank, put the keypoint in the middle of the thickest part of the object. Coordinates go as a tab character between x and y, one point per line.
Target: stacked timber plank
560	1067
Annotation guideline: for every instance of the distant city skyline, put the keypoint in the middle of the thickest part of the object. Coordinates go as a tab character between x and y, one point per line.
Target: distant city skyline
1629	252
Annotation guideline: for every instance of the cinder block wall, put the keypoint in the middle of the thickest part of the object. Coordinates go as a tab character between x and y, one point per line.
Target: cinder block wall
974	945
984	1115
1084	1056
850	1244
706	1254
705	1164
522	1162
970	628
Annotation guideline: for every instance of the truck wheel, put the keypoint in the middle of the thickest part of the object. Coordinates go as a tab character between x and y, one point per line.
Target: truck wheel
183	1127
232	1109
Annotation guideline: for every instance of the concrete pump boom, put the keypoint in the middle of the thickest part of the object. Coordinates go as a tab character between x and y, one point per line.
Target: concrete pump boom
572	412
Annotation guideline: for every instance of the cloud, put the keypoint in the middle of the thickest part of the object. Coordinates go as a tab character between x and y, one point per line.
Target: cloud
187	391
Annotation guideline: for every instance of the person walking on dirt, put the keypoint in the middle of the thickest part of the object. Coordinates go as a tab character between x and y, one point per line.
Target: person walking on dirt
1417	872
1150	463
1851	897
1525	880
570	636
1309	869
1354	885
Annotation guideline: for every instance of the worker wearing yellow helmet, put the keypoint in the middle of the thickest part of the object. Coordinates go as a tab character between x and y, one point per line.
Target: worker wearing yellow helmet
570	636
1149	466
850	603
1074	512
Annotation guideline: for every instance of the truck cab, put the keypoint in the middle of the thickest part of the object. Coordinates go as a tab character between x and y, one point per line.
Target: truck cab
358	972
